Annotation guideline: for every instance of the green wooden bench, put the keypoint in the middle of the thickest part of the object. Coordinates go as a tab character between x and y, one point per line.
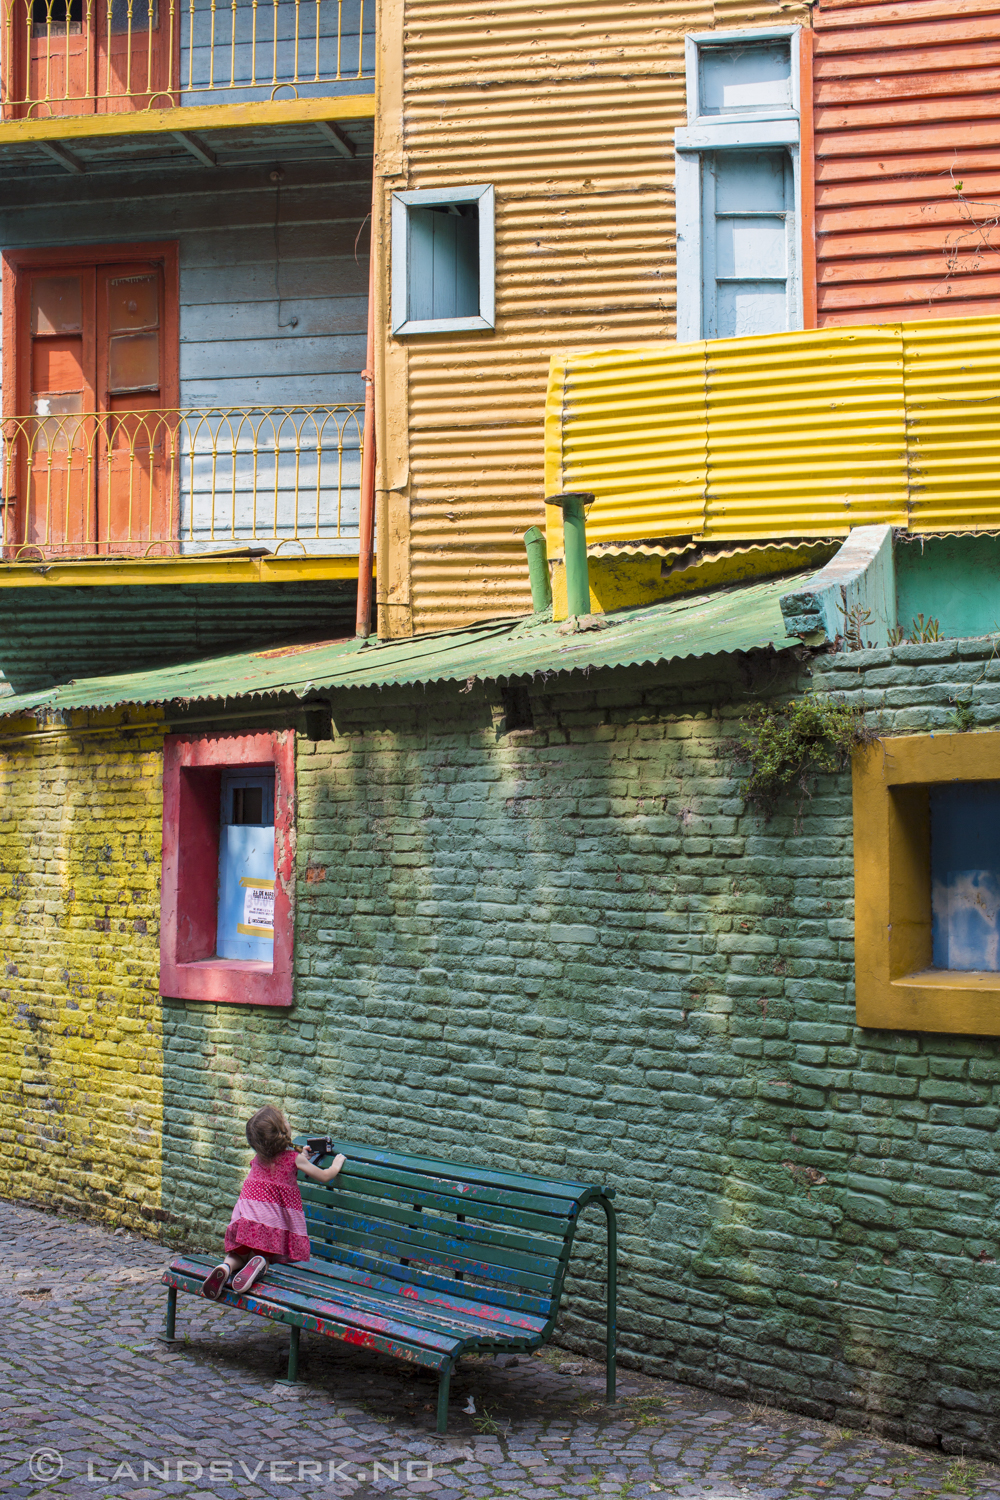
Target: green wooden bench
425	1260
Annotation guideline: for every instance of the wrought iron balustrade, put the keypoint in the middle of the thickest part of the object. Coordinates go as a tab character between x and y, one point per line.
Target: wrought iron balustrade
73	57
171	483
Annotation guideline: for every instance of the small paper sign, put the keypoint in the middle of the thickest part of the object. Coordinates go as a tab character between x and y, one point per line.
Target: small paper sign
258	908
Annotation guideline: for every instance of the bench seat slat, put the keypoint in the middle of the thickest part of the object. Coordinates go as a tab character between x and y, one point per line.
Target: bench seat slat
440	1317
412	1275
385	1323
509	1183
398	1348
486	1312
350	1202
445	1238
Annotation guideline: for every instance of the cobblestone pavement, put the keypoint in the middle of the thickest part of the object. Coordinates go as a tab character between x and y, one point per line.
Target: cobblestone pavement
91	1403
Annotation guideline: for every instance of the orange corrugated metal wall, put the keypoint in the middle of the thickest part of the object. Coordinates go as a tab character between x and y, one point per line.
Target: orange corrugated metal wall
907	123
568	107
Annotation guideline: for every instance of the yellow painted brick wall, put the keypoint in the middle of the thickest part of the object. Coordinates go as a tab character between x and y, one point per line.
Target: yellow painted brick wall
81	1098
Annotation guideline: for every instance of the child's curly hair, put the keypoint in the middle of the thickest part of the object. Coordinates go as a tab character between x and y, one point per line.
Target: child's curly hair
268	1133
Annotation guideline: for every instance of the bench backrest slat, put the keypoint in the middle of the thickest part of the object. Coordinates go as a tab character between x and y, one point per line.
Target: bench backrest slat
354	1179
435	1250
395	1212
417	1276
496	1238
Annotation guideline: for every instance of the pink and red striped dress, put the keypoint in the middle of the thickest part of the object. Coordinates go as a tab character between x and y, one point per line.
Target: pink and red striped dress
268	1215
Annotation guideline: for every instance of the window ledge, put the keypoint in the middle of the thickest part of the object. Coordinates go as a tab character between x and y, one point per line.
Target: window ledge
783	131
444	325
229	965
963	1002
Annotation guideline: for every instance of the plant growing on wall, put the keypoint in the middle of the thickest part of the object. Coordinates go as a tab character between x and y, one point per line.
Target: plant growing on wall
783	744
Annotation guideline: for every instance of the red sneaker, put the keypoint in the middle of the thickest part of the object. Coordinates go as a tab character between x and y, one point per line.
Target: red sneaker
251	1272
214	1282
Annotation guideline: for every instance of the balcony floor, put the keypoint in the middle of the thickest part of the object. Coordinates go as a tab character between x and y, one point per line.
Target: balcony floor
157	140
52	630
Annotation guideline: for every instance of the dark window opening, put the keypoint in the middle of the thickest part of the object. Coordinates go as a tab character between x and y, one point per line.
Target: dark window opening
516	706
248	804
55	15
965	875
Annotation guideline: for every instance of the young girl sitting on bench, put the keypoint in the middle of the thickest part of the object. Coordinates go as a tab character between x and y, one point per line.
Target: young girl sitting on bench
268	1223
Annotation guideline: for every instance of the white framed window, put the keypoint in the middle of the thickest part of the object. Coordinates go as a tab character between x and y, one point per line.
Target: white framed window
443	266
737	186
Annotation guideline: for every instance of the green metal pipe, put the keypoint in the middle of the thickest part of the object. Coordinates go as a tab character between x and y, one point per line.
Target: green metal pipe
574	508
538	568
293	1354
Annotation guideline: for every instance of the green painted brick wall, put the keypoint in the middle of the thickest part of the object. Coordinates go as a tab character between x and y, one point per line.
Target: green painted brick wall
573	950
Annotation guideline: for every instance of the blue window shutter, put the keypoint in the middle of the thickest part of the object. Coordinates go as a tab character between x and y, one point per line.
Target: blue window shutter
747	218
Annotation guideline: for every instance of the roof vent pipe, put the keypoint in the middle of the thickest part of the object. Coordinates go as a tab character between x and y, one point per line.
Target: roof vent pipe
573	506
538	568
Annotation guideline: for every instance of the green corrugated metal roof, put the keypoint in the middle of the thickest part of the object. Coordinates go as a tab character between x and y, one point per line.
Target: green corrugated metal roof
737	619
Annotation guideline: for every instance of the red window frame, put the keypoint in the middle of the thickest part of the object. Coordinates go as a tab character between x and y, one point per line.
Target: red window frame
189	900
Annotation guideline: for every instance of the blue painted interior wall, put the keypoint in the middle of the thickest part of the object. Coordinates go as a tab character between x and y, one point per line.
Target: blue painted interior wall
234	45
965	875
273	313
254	256
953	579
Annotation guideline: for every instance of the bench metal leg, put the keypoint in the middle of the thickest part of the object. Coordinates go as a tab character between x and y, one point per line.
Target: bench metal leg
168	1328
444	1381
293	1353
612	1321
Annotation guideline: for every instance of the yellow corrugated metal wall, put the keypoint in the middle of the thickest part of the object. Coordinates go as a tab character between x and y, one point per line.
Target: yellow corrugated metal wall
794	434
568	107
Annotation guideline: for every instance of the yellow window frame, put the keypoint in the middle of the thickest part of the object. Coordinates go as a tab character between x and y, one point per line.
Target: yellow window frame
896	986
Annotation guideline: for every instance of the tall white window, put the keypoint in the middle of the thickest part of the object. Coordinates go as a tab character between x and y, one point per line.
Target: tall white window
737	186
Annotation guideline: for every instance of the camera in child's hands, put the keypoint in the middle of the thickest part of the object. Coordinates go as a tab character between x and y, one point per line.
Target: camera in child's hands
318	1146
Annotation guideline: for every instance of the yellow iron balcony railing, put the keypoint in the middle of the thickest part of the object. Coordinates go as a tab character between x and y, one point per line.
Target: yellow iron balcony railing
173	483
79	57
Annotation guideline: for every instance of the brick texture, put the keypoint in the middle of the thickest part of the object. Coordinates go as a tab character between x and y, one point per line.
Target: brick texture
573	949
80	1043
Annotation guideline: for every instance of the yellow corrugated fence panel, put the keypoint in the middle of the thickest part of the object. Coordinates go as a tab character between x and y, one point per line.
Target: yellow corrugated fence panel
953	412
634	432
794	434
806	434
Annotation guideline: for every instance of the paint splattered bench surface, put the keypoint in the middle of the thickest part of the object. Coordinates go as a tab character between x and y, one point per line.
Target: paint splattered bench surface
424	1260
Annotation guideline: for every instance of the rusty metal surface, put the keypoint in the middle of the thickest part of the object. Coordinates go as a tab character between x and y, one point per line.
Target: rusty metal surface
568	107
907	125
736	619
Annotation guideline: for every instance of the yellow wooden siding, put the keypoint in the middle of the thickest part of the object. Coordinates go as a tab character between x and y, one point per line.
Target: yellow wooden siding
568	108
802	434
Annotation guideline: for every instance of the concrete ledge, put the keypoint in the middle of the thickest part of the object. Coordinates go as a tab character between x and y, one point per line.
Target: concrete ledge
852	601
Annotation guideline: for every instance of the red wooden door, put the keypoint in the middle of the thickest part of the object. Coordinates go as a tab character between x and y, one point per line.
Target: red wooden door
134	51
59	456
78	57
60	57
135	478
95	432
